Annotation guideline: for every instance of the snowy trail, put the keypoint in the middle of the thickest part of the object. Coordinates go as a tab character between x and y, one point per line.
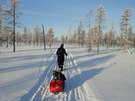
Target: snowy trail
77	87
43	87
72	91
36	92
76	92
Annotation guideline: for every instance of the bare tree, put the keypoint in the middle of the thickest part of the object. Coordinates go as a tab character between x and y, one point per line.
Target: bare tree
25	34
50	36
1	17
34	39
134	41
72	39
110	37
130	34
18	38
29	38
1	24
75	37
80	33
38	33
44	39
89	38
62	39
13	14
100	19
89	41
7	35
125	25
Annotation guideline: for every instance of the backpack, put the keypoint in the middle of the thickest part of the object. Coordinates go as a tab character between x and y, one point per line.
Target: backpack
60	52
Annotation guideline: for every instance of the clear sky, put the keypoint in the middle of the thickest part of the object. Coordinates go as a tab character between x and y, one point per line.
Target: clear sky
61	14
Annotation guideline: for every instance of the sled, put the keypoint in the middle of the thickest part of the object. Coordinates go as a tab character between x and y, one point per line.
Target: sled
57	86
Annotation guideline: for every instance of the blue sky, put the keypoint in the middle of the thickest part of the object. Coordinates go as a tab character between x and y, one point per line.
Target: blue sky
61	14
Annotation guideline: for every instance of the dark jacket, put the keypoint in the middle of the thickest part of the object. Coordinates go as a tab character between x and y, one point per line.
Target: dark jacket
60	55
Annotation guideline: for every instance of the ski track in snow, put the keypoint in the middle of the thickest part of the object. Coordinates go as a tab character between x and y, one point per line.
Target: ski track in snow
72	92
35	93
66	95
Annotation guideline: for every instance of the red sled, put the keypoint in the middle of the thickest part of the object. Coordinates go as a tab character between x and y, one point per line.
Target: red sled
57	86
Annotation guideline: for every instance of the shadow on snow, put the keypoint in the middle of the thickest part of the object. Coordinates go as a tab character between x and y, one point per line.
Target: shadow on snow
95	61
79	79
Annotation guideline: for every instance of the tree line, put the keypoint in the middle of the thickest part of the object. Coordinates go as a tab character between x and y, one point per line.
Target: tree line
93	36
8	34
96	36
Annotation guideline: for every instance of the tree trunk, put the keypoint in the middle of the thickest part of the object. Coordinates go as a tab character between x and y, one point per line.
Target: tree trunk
44	38
98	41
14	30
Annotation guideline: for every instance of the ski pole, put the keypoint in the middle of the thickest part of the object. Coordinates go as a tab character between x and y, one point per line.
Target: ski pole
66	63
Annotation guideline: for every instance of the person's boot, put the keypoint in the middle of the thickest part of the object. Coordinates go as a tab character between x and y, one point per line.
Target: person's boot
61	67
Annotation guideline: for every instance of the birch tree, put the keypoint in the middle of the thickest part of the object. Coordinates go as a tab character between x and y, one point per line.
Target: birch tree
100	19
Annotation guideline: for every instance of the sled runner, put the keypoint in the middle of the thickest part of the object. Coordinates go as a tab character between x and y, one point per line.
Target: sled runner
57	84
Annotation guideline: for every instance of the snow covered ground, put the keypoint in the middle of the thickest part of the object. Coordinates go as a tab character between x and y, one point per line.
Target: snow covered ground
25	75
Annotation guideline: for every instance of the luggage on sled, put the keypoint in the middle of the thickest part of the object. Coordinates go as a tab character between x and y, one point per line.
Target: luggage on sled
57	84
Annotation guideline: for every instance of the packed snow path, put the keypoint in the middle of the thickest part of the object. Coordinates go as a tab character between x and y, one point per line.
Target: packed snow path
73	90
36	92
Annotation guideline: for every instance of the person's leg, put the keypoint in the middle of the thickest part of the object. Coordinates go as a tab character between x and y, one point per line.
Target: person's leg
60	66
61	63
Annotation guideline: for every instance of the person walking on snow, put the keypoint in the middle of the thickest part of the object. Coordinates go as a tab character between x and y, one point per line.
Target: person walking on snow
61	52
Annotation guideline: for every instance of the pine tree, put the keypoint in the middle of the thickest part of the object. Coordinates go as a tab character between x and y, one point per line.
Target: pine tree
100	19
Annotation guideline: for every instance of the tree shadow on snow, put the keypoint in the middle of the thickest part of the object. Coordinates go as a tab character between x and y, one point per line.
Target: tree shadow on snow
21	58
93	53
23	66
79	79
95	61
88	63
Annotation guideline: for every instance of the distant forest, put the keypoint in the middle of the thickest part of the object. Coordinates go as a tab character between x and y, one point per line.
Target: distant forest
94	36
